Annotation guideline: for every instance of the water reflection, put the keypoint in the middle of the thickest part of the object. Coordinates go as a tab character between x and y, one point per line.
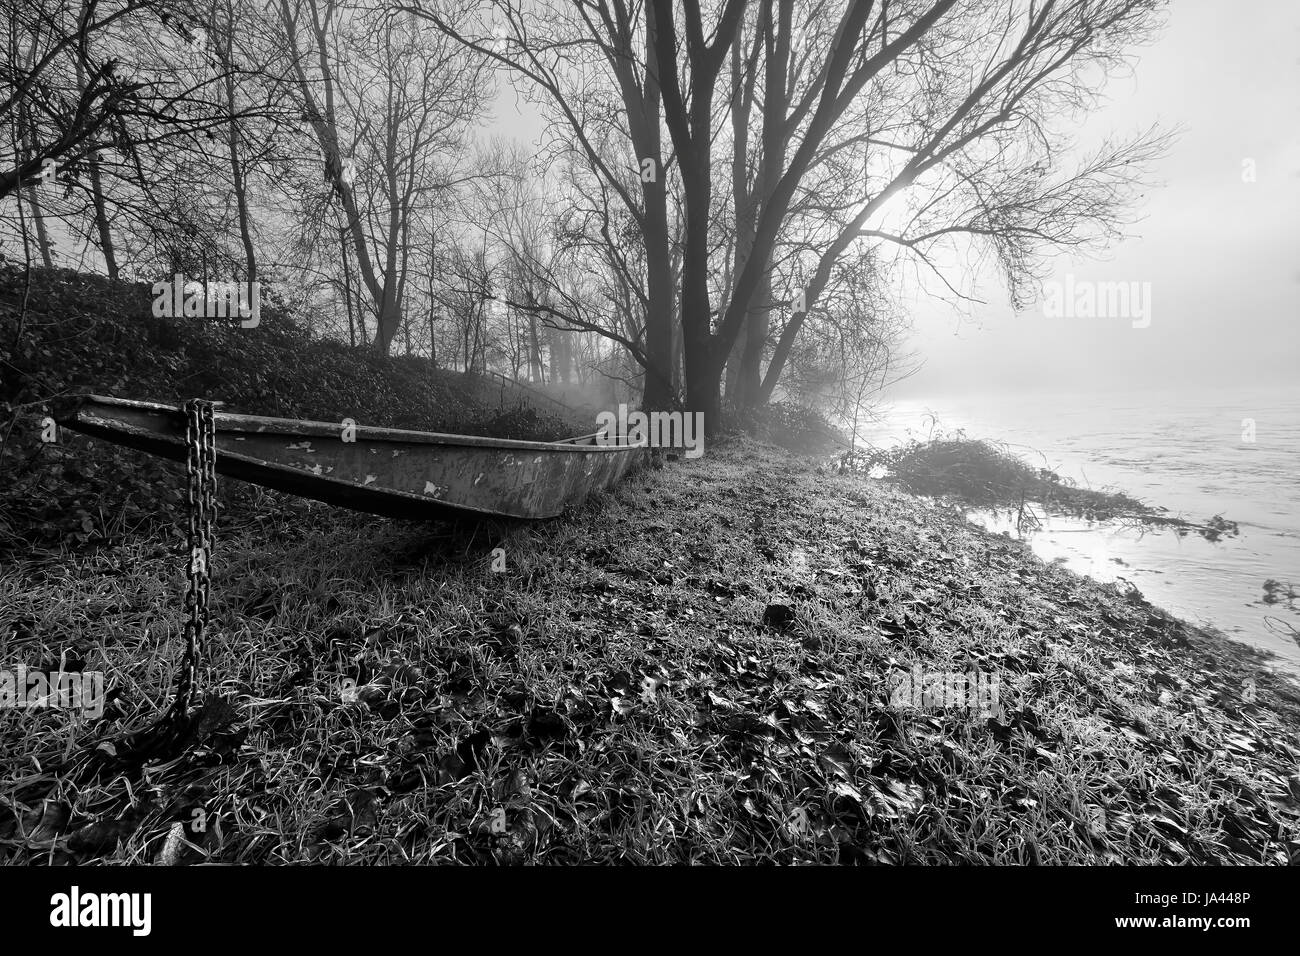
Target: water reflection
1184	574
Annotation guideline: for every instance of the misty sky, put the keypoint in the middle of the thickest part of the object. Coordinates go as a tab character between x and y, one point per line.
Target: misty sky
1222	256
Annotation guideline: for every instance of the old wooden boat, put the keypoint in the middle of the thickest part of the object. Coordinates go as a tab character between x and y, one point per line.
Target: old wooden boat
385	471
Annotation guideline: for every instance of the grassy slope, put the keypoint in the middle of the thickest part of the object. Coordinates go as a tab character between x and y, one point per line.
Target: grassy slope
524	691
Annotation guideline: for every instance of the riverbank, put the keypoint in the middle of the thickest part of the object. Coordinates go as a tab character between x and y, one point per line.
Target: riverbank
696	668
1212	450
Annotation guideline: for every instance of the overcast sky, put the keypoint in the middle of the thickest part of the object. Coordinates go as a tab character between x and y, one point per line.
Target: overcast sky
1222	255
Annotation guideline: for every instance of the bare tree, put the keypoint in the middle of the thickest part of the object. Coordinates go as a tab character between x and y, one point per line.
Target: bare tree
560	50
387	101
914	91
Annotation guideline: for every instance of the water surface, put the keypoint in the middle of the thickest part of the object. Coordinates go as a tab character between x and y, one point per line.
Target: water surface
1189	452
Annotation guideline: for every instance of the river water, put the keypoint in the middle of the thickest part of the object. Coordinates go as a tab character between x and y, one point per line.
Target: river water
1229	452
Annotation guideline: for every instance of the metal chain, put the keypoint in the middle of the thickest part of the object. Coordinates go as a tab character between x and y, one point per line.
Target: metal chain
200	472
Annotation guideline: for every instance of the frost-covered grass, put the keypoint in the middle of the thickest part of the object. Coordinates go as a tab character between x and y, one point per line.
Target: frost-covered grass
695	668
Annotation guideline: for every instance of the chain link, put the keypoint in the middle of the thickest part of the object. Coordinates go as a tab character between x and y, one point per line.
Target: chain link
200	472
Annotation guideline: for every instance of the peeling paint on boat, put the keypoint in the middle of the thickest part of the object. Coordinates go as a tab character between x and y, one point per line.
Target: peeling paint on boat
369	479
301	446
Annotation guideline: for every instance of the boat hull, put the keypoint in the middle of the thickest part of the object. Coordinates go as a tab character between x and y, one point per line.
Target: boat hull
385	471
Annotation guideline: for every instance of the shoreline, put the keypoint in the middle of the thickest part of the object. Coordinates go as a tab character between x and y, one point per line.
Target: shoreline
1190	458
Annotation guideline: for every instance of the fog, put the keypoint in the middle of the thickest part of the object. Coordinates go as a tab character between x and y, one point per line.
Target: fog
1222	255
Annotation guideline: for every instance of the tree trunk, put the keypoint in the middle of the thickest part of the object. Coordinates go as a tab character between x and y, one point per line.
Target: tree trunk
390	313
703	384
747	355
101	221
659	393
347	284
702	370
238	180
535	351
38	217
97	195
